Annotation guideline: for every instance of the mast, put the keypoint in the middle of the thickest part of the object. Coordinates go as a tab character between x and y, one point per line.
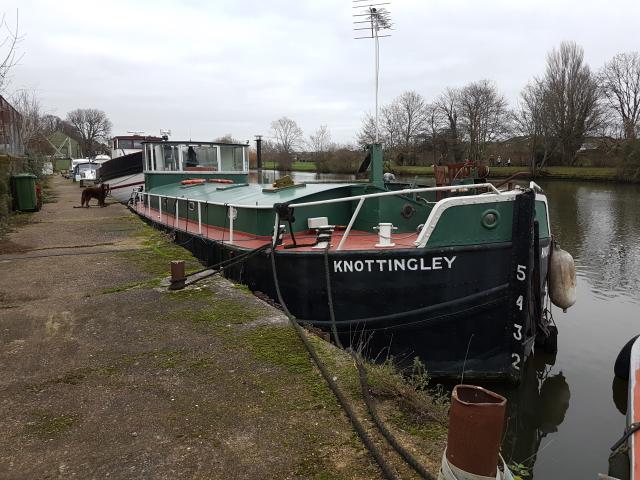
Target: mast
373	17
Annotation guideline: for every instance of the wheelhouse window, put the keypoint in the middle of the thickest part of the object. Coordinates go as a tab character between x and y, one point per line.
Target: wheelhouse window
125	143
194	157
200	157
166	158
231	158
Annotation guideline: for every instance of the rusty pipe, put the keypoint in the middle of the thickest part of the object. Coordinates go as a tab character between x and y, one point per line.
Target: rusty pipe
476	424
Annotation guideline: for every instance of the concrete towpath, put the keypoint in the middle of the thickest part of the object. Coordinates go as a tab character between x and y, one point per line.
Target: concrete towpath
105	374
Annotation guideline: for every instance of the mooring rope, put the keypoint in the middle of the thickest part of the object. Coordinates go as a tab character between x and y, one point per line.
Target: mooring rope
364	385
340	396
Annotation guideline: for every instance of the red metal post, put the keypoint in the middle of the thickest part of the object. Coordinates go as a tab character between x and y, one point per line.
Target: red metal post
177	275
476	424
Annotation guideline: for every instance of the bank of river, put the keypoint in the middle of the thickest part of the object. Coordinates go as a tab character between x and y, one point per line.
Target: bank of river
600	174
570	409
103	373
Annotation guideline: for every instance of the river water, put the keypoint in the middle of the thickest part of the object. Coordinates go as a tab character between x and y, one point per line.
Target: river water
568	414
570	409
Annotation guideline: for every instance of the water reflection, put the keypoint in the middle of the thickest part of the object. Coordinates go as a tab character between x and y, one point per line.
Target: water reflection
599	224
535	409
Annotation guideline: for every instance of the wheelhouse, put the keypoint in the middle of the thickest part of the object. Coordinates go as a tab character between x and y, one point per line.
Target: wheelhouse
191	157
122	145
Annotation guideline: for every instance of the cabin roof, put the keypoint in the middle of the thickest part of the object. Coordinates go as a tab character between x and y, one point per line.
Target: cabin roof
191	142
244	194
148	138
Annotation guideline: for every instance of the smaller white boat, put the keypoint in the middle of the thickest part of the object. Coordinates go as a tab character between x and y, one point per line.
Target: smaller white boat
123	172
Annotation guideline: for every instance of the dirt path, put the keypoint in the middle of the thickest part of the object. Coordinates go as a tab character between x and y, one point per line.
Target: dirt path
105	374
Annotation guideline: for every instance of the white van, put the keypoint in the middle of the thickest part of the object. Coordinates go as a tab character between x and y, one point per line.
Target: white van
85	172
74	163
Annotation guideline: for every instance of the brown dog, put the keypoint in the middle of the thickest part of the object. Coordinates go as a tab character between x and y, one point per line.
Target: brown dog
99	193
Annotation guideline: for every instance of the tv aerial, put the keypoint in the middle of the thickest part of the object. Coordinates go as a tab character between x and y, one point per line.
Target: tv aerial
370	19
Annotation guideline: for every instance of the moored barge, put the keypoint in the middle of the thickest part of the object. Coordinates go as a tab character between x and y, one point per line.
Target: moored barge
455	274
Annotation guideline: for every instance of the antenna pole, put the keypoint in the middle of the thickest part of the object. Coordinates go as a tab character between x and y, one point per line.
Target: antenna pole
377	71
379	19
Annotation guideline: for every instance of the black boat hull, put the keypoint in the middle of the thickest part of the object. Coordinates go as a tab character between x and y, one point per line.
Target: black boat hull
472	309
464	316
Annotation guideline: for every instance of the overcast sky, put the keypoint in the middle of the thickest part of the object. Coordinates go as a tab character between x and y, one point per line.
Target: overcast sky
207	68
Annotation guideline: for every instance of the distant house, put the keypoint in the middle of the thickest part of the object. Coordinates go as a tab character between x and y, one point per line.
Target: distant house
587	146
10	121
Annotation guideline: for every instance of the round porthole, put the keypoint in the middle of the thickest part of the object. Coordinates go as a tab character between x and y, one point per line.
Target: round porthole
407	211
192	206
490	218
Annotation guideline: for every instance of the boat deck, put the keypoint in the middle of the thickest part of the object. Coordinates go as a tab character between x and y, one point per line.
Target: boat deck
357	239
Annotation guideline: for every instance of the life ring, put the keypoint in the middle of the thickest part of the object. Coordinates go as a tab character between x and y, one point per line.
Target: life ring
219	180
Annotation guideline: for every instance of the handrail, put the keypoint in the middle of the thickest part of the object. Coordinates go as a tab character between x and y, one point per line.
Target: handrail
431	222
534	186
343	199
351	222
218	204
360	198
397	192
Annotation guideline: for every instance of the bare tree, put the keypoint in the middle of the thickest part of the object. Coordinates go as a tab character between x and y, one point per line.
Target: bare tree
287	135
320	140
411	115
92	125
484	116
619	81
367	133
448	106
321	147
53	123
288	138
9	40
529	120
570	99
27	103
435	124
390	125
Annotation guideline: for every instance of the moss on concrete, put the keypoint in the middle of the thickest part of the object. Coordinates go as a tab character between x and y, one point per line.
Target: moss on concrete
46	424
158	250
154	282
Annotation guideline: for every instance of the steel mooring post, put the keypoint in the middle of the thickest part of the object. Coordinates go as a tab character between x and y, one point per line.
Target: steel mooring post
178	276
476	425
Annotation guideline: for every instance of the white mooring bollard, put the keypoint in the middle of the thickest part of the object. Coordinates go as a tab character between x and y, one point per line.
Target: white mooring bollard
384	234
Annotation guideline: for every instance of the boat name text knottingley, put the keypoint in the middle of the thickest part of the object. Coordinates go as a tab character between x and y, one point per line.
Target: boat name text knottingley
392	265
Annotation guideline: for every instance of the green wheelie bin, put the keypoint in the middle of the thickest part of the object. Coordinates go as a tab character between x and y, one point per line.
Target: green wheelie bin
23	191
